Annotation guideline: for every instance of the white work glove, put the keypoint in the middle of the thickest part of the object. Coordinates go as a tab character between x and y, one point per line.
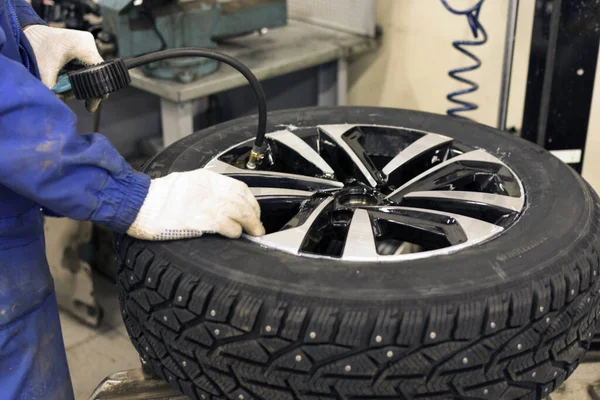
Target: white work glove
189	204
55	47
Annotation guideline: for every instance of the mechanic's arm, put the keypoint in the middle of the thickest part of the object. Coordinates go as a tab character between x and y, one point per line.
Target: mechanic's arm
83	177
26	15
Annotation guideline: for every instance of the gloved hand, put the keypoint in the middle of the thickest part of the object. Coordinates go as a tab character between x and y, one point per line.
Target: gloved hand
55	47
189	204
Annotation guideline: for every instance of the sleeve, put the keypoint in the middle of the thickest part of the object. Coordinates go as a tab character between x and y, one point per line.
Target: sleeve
26	15
44	158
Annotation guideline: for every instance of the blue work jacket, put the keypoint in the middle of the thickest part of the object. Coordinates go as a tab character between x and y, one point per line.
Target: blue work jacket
47	167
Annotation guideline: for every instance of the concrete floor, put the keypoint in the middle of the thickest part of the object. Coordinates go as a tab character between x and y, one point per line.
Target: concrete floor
578	385
94	354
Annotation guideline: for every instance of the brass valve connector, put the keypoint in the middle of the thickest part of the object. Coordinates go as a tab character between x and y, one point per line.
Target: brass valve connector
255	157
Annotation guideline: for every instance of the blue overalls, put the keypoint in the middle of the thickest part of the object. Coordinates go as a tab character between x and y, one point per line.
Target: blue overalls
45	168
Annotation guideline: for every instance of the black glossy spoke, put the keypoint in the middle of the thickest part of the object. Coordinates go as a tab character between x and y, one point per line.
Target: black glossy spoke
297	155
342	143
489	207
475	171
432	231
424	153
279	205
292	236
268	193
433	228
272	179
297	182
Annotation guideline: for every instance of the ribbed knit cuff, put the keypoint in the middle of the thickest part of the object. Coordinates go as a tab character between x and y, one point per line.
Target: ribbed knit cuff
136	185
26	15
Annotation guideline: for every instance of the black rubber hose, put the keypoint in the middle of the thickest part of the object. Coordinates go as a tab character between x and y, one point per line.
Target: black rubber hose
215	55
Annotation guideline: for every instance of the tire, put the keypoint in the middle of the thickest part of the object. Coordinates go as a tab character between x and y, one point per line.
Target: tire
510	318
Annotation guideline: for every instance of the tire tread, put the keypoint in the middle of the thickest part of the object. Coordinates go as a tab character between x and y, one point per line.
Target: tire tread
520	344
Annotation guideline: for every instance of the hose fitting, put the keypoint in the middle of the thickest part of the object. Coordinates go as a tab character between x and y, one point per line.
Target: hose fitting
256	155
98	80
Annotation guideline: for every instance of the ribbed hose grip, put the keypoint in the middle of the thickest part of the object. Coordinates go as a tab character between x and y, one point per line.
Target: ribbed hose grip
99	80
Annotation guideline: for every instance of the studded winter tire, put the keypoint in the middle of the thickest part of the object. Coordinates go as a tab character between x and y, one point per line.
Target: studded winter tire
407	256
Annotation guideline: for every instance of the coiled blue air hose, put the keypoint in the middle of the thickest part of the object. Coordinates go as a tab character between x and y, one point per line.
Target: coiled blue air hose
480	36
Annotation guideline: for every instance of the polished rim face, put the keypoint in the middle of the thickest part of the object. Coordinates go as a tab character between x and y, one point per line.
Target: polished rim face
375	193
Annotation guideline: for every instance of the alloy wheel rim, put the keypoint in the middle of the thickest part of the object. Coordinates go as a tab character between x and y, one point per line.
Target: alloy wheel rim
373	193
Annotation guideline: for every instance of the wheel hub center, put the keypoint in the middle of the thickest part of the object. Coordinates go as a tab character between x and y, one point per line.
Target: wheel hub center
357	197
357	200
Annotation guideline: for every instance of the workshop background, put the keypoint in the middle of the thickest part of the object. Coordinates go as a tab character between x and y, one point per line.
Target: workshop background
408	70
405	72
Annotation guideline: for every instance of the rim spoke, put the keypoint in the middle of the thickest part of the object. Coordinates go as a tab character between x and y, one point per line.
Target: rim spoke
420	226
499	201
299	146
422	145
475	230
267	193
360	242
356	153
291	239
272	179
475	155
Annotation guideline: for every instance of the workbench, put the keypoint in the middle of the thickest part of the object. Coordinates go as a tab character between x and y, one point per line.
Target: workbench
297	46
